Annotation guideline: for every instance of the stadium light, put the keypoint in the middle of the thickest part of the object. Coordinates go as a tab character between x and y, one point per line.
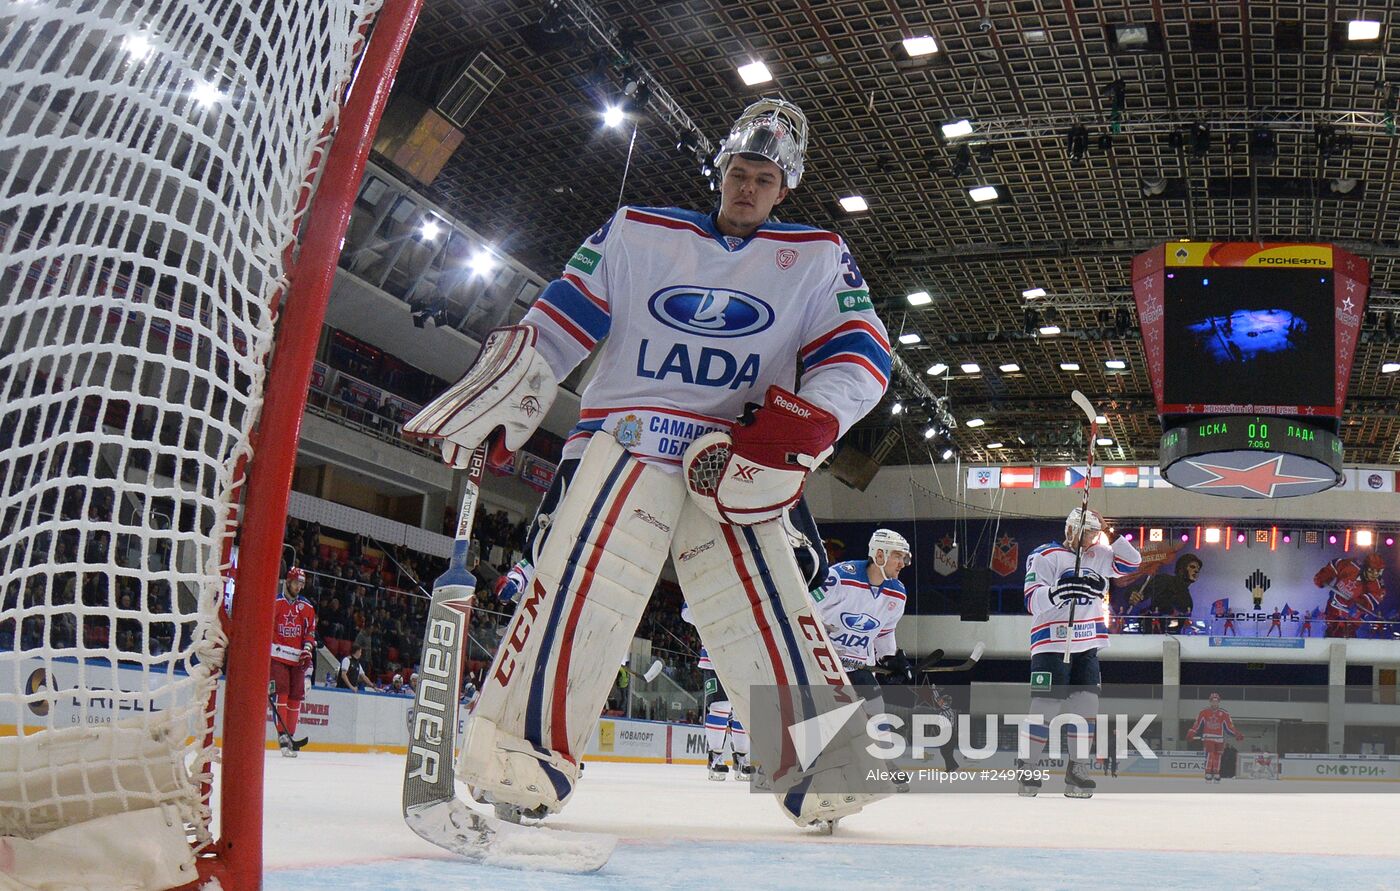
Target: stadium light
921	45
919	298
983	193
956	129
910	338
1212	535
970	368
1363	29
854	204
754	73
613	116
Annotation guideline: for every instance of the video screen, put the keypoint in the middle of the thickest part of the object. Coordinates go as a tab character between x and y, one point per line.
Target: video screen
1248	335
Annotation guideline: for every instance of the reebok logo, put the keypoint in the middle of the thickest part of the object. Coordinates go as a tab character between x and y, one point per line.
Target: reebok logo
793	407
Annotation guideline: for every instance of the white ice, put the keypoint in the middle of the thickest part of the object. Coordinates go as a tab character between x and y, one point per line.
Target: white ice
333	821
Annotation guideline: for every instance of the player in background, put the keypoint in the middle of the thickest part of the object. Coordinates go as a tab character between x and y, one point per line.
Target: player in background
695	444
1211	725
722	729
293	651
1355	589
860	604
1070	688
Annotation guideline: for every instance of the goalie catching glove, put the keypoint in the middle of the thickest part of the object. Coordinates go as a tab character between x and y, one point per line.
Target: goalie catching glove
756	473
510	386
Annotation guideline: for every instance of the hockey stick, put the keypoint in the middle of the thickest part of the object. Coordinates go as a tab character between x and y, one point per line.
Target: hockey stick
431	807
650	674
966	664
297	744
1088	408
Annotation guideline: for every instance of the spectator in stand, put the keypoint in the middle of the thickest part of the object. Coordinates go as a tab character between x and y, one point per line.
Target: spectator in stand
352	673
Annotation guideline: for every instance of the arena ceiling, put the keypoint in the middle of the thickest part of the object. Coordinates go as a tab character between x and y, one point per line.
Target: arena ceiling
536	171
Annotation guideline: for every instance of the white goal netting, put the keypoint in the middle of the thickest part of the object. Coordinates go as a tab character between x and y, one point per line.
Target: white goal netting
1257	766
155	159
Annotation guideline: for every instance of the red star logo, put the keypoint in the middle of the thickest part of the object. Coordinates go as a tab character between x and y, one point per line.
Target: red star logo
1261	479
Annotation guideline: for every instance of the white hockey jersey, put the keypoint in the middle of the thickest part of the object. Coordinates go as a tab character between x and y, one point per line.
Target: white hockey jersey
1051	562
860	619
695	324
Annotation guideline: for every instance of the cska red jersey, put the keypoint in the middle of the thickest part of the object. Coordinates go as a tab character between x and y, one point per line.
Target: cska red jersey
1212	724
293	627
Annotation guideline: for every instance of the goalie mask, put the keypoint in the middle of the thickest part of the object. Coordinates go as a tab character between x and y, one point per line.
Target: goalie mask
771	129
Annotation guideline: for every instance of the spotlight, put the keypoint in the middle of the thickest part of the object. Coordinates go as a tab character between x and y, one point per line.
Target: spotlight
962	162
1200	139
613	116
919	298
947	454
1077	142
1212	535
206	94
1364	538
1239	539
138	46
930	432
1287	538
1331	539
1389	541
754	73
1263	146
958	128
897	408
1185	537
635	96
551	33
430	229
482	262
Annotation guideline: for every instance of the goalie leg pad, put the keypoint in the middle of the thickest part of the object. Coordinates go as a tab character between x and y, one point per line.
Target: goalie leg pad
597	560
748	600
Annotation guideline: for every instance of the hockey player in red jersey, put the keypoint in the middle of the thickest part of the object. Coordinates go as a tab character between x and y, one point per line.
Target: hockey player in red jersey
293	650
1356	590
1211	726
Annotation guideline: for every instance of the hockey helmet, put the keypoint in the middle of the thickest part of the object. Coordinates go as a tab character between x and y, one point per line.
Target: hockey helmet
772	129
1375	561
1215	699
1090	521
888	540
296	574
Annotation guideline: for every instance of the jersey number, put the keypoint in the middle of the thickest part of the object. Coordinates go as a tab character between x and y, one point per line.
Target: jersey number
853	278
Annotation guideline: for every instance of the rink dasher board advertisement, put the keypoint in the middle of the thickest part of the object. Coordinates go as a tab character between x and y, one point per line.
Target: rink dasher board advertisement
41	693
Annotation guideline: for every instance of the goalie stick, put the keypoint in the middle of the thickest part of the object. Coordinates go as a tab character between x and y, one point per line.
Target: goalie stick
1088	408
650	674
431	807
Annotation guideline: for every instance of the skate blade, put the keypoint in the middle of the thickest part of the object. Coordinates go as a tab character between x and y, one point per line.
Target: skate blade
1028	793
453	826
1079	793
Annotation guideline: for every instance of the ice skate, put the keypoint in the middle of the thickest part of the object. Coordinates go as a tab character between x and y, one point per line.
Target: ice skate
1028	785
718	770
743	770
1078	783
284	742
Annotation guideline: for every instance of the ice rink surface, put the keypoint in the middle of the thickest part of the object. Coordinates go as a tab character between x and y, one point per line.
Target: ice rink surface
332	821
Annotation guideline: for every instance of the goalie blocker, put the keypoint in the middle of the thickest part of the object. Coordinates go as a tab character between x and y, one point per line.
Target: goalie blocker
598	545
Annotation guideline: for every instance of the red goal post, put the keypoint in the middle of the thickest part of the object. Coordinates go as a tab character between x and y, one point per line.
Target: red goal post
157	163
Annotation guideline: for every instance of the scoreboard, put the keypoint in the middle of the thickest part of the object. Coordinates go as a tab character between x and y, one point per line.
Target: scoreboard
1249	349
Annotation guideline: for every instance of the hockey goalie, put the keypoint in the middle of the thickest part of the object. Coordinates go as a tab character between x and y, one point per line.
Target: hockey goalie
694	440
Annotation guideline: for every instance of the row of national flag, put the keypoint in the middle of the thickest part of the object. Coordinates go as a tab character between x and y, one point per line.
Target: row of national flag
1124	477
1133	477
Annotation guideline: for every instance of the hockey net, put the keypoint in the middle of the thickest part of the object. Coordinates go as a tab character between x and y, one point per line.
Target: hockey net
1257	766
157	158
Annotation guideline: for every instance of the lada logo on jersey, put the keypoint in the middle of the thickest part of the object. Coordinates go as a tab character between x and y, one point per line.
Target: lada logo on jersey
859	621
786	257
710	312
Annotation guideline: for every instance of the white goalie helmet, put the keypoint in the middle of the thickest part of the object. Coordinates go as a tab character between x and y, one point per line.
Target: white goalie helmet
888	540
1090	521
772	129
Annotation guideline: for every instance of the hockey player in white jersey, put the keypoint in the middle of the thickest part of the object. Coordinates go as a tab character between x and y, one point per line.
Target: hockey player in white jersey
695	316
862	602
1057	687
722	729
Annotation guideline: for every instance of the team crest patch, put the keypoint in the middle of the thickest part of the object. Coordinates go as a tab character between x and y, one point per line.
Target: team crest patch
629	431
786	257
1040	681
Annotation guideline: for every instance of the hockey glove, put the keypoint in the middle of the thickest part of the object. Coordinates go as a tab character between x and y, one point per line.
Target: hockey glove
1083	589
509	386
900	669
308	654
758	472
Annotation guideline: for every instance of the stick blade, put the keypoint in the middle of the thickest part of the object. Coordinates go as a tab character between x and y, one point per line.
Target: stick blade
1085	406
483	839
977	651
653	671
